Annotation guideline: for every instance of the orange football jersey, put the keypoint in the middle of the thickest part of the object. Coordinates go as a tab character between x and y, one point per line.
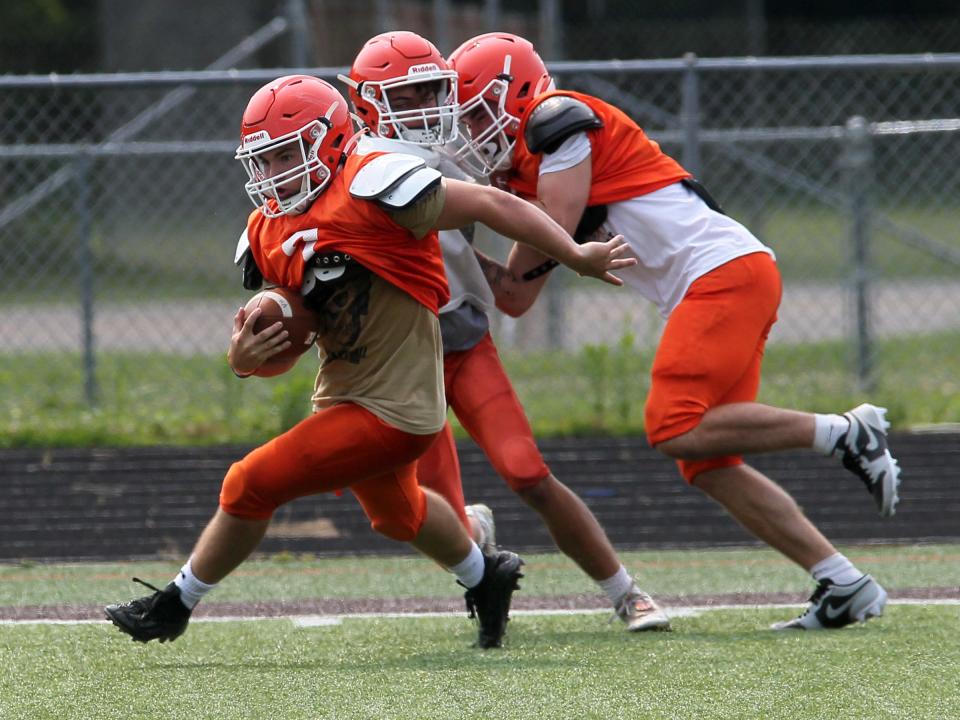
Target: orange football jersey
336	221
626	163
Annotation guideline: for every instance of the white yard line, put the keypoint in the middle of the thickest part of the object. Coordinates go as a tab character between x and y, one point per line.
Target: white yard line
331	620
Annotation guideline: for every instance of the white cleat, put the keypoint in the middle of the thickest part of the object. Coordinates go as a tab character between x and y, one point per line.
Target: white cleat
864	452
639	612
835	606
488	528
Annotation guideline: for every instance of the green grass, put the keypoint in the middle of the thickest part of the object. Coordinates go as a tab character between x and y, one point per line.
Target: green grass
813	242
718	664
287	577
156	399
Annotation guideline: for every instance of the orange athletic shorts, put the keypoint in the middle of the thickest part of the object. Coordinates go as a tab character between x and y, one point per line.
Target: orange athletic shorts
480	393
711	351
344	446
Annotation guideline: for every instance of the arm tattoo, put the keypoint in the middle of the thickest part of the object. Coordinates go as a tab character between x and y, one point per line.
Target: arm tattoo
497	275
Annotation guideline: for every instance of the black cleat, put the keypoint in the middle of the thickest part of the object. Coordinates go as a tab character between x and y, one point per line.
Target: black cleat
489	601
160	616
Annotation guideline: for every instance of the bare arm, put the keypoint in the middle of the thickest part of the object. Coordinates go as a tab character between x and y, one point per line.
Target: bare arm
563	196
512	293
526	223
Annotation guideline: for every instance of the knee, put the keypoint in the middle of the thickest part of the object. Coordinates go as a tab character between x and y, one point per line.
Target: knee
520	463
681	447
245	495
699	473
400	521
672	448
400	528
671	427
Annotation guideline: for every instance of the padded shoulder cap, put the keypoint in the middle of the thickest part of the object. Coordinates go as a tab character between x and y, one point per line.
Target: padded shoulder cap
243	246
382	173
555	119
394	180
243	257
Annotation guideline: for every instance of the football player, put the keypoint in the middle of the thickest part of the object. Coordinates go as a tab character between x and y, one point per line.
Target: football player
357	235
596	173
405	93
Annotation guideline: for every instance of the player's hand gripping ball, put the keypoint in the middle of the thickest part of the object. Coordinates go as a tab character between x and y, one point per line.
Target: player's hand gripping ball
301	324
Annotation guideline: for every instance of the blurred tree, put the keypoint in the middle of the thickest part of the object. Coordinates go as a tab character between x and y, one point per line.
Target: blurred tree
40	36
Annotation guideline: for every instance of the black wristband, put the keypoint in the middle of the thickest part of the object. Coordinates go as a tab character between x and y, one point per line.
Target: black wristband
539	270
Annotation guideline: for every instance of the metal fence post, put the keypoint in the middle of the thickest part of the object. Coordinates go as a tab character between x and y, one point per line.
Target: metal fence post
384	16
84	214
298	22
858	159
491	15
441	26
550	21
690	115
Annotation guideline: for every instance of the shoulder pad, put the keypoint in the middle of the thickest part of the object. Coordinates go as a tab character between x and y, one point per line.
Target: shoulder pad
243	246
555	119
252	277
394	180
379	175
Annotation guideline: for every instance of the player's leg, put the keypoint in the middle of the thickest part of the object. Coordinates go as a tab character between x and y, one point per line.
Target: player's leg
435	530
327	451
767	511
710	342
485	402
728	317
844	595
729	341
712	337
439	470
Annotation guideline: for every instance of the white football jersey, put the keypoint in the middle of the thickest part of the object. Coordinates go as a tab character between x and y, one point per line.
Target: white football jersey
464	275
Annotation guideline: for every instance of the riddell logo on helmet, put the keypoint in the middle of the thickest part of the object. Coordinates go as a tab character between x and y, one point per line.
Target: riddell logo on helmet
426	67
255	138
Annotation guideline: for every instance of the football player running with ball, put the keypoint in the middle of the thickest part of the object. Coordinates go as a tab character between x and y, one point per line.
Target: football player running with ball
403	90
596	173
357	234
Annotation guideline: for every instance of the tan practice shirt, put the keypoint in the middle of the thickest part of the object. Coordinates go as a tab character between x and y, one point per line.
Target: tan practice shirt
381	349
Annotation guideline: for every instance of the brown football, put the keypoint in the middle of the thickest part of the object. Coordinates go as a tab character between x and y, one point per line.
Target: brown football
302	324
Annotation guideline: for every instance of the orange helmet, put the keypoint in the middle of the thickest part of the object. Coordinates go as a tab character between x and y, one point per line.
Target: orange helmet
307	114
397	59
498	75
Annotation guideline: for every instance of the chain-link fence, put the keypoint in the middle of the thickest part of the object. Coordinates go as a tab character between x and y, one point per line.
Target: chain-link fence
122	205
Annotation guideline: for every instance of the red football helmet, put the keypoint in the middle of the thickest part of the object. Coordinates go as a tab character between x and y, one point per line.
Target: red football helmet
309	117
398	59
499	74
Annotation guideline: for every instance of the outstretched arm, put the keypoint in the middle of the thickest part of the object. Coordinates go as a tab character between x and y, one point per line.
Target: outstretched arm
524	222
512	293
563	196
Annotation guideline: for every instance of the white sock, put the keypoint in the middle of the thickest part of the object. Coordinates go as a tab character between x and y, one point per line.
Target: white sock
617	585
469	571
191	589
827	430
837	568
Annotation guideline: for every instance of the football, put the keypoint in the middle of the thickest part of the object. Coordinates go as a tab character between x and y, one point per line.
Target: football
302	324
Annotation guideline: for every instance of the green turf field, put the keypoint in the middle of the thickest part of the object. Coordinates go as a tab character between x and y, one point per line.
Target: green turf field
715	664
